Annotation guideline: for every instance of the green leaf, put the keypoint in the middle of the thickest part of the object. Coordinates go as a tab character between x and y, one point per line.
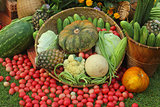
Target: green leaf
79	59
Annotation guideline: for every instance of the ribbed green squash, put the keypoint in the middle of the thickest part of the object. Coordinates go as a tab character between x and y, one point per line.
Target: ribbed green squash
79	36
15	38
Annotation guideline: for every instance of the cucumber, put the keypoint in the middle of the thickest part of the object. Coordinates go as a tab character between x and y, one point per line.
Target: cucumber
107	25
151	39
59	25
143	35
136	31
66	22
95	21
157	44
76	17
90	19
128	28
70	19
83	18
100	23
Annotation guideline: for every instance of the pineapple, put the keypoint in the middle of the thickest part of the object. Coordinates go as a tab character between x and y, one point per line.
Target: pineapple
42	13
153	26
50	58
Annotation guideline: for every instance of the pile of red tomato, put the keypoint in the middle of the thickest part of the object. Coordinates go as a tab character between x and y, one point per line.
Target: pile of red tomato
46	91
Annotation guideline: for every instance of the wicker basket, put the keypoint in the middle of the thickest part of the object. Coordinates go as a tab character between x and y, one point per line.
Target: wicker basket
28	7
51	24
146	57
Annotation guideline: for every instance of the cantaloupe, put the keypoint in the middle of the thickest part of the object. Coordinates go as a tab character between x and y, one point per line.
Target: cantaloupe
96	66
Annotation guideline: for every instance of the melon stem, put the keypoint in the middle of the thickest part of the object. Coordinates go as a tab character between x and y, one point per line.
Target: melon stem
76	31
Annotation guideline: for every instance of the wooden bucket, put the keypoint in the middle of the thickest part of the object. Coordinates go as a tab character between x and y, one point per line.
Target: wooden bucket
51	24
146	57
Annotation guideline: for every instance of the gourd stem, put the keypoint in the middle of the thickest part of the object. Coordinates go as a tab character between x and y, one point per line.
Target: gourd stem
76	31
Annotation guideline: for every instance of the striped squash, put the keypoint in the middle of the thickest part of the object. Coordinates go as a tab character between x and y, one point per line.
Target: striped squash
15	38
79	36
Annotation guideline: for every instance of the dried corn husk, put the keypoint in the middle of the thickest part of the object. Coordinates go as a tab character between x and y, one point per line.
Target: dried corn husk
123	9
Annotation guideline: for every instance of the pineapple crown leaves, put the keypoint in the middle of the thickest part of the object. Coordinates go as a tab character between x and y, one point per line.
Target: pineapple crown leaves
48	8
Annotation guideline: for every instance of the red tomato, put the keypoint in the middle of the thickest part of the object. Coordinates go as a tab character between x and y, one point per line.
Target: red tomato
105	90
104	29
116	33
80	92
1	78
86	56
113	28
130	95
99	29
79	97
0	27
8	78
85	89
11	91
116	85
121	104
134	105
81	54
122	88
21	102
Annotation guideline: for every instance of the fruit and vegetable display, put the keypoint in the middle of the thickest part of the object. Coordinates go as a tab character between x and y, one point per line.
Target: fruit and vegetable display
78	35
78	60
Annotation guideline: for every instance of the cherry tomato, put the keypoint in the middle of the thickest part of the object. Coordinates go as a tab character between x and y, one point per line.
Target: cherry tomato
113	28
99	29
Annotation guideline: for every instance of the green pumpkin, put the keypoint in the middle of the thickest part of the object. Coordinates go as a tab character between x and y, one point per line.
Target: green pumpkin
79	36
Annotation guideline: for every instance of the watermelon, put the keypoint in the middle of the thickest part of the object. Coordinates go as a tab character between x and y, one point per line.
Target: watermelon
16	37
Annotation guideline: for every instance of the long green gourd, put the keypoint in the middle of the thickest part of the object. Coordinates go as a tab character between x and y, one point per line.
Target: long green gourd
59	25
136	31
157	44
16	37
128	28
100	23
151	39
144	35
66	22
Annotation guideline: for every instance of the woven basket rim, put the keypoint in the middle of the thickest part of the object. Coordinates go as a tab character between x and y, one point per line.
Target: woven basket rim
139	44
88	8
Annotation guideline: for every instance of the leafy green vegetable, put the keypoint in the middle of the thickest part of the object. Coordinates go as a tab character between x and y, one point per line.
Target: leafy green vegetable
111	70
116	55
110	42
48	40
119	52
